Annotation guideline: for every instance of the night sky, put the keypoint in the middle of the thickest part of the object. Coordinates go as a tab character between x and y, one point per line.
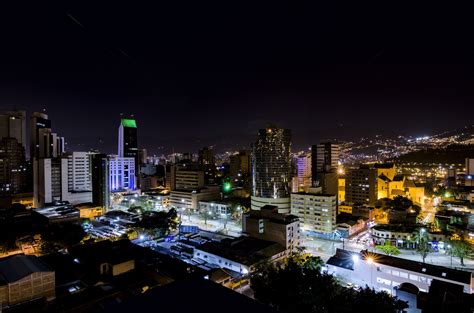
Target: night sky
212	73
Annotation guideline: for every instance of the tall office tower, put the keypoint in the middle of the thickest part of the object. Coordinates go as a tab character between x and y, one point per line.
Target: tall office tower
143	156
38	121
50	173
13	125
51	181
207	163
271	169
303	172
325	157
361	185
128	141
206	156
100	180
13	168
50	145
240	164
121	174
324	160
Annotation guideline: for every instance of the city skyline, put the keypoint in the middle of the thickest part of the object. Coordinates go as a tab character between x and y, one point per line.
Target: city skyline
343	73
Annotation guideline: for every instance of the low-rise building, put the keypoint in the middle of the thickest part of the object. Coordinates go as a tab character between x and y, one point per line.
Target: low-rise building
387	273
62	212
189	199
216	207
348	225
240	255
268	224
24	278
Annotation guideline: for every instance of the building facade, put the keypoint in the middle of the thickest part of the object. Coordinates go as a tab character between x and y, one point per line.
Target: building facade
121	174
24	278
316	211
183	199
13	125
361	185
128	142
100	180
13	167
271	169
268	224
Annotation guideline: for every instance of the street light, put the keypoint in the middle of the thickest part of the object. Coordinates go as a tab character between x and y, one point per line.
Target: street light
451	254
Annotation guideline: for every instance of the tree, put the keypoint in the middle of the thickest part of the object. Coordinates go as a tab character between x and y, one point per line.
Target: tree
422	243
460	249
298	285
388	248
60	236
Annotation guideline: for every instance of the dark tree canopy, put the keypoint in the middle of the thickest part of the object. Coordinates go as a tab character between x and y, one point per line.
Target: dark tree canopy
299	286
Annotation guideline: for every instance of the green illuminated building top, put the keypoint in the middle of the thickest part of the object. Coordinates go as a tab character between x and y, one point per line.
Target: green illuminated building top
127	122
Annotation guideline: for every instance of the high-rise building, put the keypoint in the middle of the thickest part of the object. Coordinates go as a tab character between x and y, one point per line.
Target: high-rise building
50	170
13	125
207	163
469	178
324	160
142	156
303	173
361	185
186	178
128	142
51	181
100	180
271	169
79	171
325	157
13	167
38	121
316	211
121	174
240	164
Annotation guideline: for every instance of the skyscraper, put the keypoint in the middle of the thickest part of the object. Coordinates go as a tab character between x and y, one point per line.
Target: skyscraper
13	169
271	169
38	121
207	164
13	125
50	170
128	142
100	180
324	159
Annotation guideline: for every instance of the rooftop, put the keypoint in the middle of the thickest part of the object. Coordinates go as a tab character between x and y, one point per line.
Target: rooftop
58	212
127	122
17	267
343	258
244	250
200	296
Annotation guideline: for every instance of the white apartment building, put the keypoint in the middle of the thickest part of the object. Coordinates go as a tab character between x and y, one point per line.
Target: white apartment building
316	211
79	171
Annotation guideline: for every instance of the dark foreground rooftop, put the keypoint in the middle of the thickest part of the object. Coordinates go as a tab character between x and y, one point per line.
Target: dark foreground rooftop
197	295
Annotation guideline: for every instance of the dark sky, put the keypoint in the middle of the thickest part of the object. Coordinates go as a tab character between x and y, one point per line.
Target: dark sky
199	73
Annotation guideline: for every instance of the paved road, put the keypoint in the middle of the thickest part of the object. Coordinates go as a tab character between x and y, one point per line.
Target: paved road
326	248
